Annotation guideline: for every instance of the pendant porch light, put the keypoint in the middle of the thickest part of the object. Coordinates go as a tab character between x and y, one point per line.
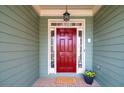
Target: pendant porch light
66	15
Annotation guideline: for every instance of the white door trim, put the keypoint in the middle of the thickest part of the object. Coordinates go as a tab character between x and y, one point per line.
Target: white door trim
66	25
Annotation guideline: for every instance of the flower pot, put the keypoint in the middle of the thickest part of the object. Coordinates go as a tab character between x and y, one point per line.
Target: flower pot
88	80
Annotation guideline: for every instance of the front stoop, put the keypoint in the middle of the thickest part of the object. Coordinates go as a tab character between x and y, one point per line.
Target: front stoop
51	82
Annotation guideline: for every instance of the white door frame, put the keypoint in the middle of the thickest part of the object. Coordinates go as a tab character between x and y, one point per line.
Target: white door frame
66	25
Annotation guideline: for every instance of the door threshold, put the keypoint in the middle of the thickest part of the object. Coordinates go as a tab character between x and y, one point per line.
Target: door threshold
67	74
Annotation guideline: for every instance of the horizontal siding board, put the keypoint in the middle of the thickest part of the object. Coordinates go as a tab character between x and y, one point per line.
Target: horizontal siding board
99	13
113	77
111	61
16	17
22	44
109	79
118	55
15	81
113	28
17	29
26	79
108	46
10	78
113	69
19	46
22	15
28	14
104	13
111	12
34	15
14	71
6	29
15	47
7	19
111	33
118	40
117	20
8	65
5	37
112	48
11	56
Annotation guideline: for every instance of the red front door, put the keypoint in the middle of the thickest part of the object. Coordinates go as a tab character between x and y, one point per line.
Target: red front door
66	49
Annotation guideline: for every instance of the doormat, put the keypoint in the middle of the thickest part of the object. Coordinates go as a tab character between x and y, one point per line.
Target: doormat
66	80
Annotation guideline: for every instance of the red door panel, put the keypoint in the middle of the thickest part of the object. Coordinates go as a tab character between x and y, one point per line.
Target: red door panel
66	50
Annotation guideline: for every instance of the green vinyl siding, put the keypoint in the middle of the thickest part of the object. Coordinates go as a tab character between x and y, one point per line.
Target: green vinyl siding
19	46
44	43
108	45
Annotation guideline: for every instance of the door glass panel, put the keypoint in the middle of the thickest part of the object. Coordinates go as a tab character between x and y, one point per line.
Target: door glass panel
52	49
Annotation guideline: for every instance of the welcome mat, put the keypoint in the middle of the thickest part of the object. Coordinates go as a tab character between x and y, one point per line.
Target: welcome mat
66	80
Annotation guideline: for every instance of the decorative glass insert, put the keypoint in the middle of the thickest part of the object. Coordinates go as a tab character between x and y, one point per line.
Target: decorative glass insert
53	24
80	49
52	49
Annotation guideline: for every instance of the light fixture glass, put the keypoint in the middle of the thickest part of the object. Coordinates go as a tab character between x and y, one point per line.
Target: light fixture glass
66	15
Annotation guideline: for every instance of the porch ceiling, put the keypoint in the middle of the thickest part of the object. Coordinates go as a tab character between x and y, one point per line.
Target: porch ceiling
74	10
74	7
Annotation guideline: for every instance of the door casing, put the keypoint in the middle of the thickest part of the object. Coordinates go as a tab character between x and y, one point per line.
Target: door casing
79	28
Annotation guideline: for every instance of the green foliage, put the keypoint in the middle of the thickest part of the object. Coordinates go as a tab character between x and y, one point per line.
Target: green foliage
89	73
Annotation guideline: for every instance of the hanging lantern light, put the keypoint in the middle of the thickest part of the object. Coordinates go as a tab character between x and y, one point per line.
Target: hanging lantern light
66	15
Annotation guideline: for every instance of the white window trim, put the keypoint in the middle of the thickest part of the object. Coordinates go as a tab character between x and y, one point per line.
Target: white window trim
81	28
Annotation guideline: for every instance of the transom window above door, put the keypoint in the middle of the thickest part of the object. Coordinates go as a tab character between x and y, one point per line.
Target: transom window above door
67	24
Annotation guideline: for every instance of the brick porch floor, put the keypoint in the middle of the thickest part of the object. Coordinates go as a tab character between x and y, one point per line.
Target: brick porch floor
51	82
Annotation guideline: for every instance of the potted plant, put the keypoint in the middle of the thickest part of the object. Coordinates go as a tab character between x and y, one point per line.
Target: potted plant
89	76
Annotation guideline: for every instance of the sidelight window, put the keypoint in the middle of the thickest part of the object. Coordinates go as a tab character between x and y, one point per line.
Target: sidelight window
80	49
52	49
